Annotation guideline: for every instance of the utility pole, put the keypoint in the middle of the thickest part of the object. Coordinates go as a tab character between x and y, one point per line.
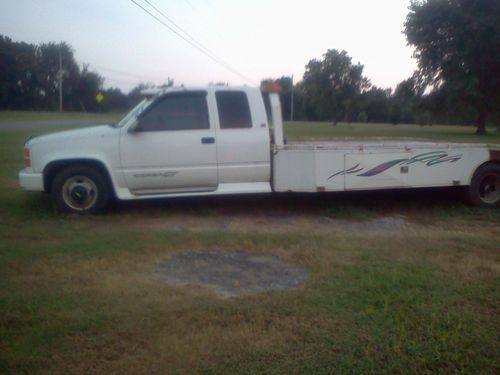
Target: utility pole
291	103
60	76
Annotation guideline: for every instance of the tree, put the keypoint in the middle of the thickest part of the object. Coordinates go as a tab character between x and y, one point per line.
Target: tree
89	84
18	80
405	101
458	47
375	104
333	86
47	60
29	79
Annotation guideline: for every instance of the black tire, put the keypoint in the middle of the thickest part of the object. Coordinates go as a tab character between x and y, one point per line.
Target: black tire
484	189
80	189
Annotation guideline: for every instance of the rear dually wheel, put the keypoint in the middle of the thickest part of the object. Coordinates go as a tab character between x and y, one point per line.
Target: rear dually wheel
484	189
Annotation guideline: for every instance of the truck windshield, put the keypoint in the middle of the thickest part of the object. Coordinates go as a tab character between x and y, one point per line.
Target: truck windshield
136	111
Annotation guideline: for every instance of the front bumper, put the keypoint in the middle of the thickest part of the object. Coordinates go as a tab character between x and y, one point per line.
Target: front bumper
30	180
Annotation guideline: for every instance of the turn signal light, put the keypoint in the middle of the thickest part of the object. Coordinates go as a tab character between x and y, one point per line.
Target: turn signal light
26	156
271	87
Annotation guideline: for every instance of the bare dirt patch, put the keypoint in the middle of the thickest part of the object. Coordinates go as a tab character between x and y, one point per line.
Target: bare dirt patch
276	224
231	274
380	224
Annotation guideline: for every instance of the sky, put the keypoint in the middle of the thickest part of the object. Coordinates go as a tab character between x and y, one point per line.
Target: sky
251	40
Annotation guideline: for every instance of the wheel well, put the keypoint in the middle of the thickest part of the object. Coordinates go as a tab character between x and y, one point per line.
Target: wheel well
489	162
494	162
53	168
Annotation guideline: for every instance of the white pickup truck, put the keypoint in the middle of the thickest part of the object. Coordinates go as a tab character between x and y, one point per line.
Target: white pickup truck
222	140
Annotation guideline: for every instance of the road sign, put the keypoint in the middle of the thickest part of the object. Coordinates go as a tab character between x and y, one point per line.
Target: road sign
99	97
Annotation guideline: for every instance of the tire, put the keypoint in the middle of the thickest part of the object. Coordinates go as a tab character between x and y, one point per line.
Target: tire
484	189
80	189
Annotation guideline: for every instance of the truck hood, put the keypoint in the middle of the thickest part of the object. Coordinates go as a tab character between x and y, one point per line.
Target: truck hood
92	132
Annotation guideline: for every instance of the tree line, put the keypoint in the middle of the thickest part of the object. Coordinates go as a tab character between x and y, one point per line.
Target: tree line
457	46
30	74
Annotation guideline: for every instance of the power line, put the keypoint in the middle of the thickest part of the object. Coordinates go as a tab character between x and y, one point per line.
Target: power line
136	78
189	3
193	44
180	29
192	40
122	81
204	18
127	74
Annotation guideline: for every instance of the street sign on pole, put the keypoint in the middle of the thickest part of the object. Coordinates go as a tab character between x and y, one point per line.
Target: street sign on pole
99	97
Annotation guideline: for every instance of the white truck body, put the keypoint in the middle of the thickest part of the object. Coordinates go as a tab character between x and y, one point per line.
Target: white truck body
339	166
231	153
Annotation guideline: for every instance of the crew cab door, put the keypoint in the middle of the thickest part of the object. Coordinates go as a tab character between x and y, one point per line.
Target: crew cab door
172	148
243	148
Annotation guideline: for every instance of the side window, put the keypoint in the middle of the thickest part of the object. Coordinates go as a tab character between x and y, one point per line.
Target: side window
233	108
177	111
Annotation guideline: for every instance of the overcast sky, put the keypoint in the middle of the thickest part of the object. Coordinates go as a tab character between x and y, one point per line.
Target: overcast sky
257	38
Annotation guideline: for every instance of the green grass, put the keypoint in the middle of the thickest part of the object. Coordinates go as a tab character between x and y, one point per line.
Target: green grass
299	131
79	293
22	116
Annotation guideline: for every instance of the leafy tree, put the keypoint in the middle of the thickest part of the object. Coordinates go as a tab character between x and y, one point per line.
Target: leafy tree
375	104
18	81
362	117
405	101
299	101
395	114
114	99
458	48
89	84
47	61
333	85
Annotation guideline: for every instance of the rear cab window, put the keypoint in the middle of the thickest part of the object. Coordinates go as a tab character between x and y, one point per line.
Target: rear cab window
233	109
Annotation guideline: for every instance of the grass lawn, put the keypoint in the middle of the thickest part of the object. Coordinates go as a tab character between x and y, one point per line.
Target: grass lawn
323	130
23	116
80	295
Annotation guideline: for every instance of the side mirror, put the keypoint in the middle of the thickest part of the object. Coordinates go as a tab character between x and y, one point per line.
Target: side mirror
133	128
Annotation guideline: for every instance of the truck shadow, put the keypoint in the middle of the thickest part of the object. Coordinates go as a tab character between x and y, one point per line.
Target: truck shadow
351	205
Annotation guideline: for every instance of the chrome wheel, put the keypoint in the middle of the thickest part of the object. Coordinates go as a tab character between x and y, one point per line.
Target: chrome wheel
489	188
79	192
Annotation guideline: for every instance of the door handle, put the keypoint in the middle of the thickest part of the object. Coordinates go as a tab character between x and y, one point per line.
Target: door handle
207	140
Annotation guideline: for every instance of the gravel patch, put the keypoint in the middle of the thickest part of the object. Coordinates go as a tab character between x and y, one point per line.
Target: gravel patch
231	274
381	224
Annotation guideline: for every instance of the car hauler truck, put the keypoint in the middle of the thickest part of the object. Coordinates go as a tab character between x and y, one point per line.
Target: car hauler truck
221	140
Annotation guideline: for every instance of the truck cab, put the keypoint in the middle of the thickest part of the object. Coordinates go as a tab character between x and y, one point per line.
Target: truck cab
197	140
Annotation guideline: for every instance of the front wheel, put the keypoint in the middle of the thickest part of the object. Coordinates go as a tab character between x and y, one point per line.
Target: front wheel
484	189
80	189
